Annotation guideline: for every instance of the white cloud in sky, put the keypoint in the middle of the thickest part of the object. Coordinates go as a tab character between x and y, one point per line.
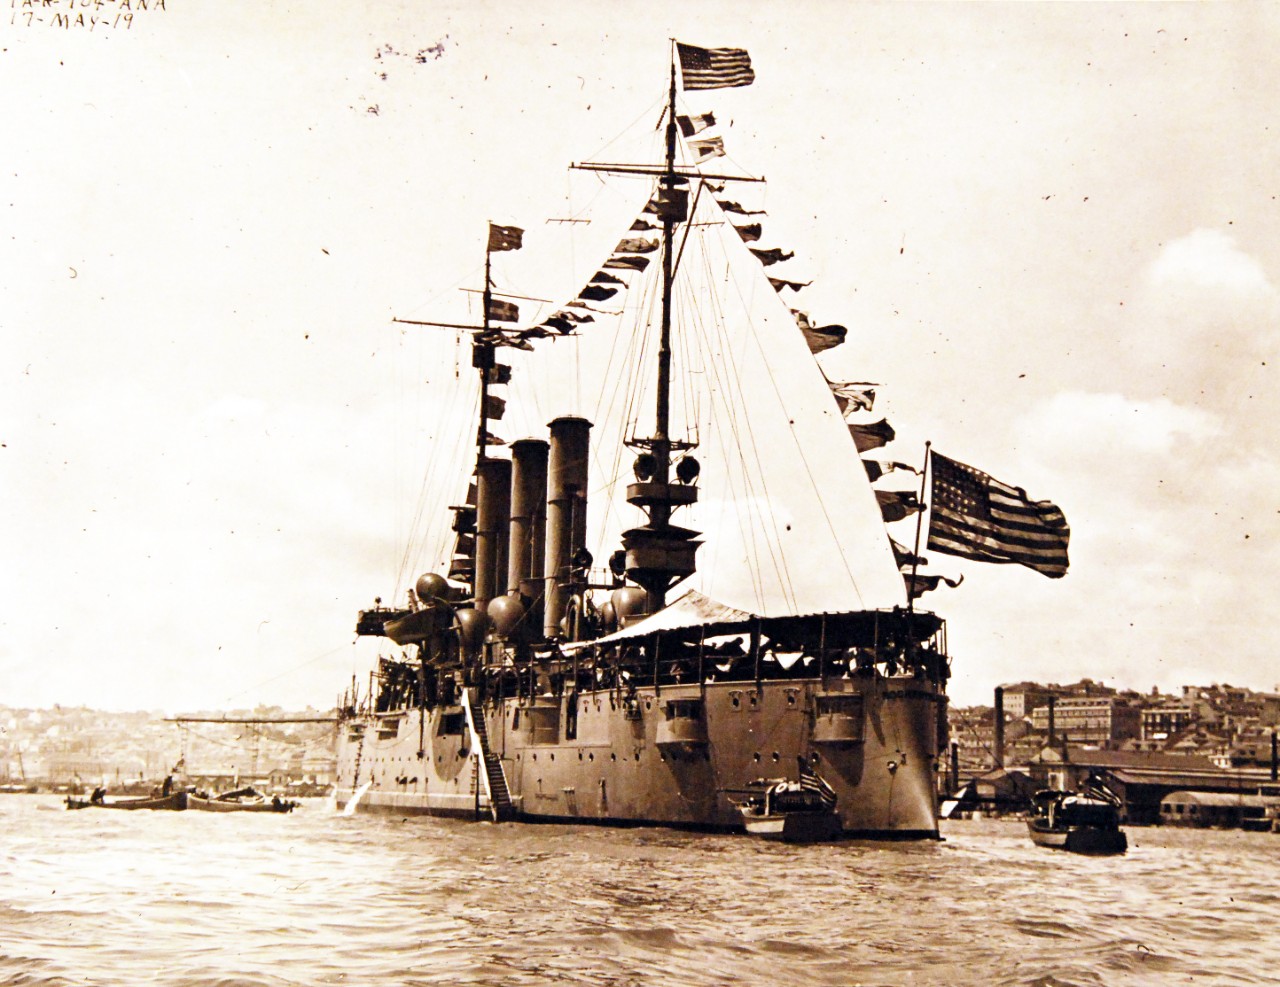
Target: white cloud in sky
1209	260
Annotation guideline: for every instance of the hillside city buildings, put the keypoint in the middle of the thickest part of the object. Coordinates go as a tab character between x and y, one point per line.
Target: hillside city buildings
65	748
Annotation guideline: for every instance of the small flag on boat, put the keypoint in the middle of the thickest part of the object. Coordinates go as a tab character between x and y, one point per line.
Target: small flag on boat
600	277
810	781
505	237
705	150
749	233
494	407
694	124
714	68
977	517
597	293
780	283
500	311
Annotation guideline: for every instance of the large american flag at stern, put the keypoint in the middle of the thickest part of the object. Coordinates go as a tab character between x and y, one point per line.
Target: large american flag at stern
975	516
714	68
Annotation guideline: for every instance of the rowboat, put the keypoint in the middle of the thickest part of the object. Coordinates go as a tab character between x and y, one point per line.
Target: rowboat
173	801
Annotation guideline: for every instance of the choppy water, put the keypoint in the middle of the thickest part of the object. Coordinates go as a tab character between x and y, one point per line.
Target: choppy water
159	898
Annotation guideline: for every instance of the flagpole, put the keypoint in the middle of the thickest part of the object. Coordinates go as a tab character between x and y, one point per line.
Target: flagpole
915	553
484	354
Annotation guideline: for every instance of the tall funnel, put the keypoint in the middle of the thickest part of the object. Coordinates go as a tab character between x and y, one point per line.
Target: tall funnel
525	569
566	511
493	520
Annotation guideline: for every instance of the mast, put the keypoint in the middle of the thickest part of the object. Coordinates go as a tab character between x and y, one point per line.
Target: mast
482	356
661	513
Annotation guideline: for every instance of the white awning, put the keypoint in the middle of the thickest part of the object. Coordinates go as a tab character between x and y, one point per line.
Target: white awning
691	609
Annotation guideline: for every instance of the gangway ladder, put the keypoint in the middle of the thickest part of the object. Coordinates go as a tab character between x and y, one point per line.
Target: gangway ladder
492	776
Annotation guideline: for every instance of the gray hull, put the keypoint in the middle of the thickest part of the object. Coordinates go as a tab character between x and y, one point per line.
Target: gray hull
631	762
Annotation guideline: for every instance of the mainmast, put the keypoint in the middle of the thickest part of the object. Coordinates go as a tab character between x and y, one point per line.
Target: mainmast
660	554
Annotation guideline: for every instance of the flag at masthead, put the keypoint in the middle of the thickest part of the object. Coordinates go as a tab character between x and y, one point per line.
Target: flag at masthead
714	68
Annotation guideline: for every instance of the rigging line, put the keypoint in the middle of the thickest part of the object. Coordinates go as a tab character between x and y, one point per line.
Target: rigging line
660	101
748	448
626	386
804	459
609	465
733	474
751	468
287	671
424	501
431	535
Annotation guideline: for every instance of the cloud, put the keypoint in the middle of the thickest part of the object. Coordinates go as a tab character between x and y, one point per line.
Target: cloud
1116	424
1209	262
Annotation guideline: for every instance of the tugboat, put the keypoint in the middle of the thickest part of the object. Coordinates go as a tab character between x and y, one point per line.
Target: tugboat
531	684
1080	823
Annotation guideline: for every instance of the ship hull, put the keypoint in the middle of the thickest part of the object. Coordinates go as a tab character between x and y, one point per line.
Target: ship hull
603	758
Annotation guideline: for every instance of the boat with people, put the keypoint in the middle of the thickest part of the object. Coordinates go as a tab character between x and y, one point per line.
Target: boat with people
800	811
246	799
673	419
174	801
1078	822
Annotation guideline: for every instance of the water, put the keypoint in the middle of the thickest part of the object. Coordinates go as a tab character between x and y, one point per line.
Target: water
315	897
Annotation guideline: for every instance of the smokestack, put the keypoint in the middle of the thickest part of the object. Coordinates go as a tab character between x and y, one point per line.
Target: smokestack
1275	764
528	524
999	726
1053	701
493	521
566	511
955	767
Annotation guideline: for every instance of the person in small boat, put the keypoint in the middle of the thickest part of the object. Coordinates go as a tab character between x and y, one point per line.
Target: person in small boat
99	796
167	789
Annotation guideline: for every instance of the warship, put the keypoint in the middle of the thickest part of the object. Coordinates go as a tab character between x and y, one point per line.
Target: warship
754	618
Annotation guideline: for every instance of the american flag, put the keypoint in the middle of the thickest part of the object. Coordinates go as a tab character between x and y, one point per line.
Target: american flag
714	68
811	782
977	517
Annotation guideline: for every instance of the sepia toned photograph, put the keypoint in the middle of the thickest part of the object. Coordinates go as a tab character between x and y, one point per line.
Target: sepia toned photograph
630	494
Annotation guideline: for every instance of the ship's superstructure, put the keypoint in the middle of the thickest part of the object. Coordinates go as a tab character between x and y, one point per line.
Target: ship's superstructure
536	685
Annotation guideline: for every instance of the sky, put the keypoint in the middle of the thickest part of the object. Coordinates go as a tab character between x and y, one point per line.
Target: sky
1052	230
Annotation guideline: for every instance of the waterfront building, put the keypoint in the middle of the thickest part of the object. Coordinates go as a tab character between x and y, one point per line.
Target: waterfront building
1100	720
